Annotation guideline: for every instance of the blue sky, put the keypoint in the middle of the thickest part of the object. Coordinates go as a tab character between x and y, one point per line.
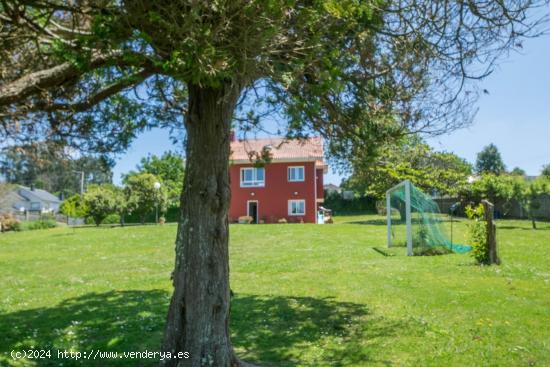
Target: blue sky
515	116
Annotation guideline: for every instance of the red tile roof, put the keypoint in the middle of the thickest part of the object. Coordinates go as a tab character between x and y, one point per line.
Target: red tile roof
310	149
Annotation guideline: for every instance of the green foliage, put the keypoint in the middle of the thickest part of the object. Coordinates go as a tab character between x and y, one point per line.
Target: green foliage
169	169
517	171
339	205
478	233
43	223
109	219
410	159
48	166
546	171
141	195
490	161
532	195
497	189
100	201
74	207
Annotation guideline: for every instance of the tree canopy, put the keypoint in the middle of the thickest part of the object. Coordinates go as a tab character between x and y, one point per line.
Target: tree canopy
52	167
362	69
409	159
489	160
168	169
93	74
517	171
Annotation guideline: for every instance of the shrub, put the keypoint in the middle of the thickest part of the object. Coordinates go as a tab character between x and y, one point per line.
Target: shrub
9	223
478	234
111	219
43	223
282	221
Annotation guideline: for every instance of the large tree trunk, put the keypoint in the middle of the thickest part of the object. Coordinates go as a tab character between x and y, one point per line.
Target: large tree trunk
198	317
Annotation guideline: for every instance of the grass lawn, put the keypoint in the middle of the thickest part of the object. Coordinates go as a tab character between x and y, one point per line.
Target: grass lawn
305	295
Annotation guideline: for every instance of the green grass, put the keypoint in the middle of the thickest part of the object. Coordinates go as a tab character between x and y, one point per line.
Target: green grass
305	295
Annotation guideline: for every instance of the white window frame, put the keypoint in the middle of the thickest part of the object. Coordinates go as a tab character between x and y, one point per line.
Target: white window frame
255	182
295	167
290	202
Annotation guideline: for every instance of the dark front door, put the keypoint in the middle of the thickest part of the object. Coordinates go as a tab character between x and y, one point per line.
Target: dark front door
253	211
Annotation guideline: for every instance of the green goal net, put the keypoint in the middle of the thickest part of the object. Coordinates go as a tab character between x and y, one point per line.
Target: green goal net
414	221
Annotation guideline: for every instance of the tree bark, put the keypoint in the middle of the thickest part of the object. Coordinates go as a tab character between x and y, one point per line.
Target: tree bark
198	316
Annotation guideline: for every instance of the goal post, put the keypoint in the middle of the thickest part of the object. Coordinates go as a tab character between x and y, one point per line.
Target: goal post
406	186
425	234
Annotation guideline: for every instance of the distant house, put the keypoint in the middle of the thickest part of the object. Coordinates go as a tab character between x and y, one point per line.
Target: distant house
29	199
289	186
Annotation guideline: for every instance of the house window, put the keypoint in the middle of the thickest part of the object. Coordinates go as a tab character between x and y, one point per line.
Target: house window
252	177
296	174
35	206
296	207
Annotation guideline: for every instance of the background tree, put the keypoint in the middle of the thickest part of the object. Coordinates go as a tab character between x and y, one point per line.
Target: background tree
169	168
532	195
100	201
50	166
5	189
409	159
489	160
74	207
517	171
141	195
499	190
546	171
357	72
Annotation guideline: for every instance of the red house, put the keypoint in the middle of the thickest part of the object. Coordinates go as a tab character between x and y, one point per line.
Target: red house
290	186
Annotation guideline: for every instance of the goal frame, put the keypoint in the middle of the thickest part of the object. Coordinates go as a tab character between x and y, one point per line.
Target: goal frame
408	222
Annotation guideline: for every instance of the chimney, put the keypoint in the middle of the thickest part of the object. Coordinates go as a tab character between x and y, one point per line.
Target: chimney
232	136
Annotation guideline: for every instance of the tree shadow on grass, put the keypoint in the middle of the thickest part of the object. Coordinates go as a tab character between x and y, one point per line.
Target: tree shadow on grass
306	331
272	331
539	227
120	321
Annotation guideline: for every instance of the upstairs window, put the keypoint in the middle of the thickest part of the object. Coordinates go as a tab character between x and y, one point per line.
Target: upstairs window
252	177
296	174
296	207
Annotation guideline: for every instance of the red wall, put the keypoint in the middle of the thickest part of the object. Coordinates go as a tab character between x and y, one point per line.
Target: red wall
320	184
273	197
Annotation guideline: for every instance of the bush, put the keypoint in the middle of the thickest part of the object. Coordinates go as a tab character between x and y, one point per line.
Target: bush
9	223
478	234
335	202
43	223
111	219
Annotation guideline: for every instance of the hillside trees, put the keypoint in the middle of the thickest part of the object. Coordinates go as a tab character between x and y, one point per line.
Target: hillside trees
50	166
93	74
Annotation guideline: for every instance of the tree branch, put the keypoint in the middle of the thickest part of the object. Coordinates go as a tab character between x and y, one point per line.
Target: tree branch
100	96
19	89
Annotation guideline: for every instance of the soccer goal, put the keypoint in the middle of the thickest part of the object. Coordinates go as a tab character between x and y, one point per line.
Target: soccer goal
414	221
